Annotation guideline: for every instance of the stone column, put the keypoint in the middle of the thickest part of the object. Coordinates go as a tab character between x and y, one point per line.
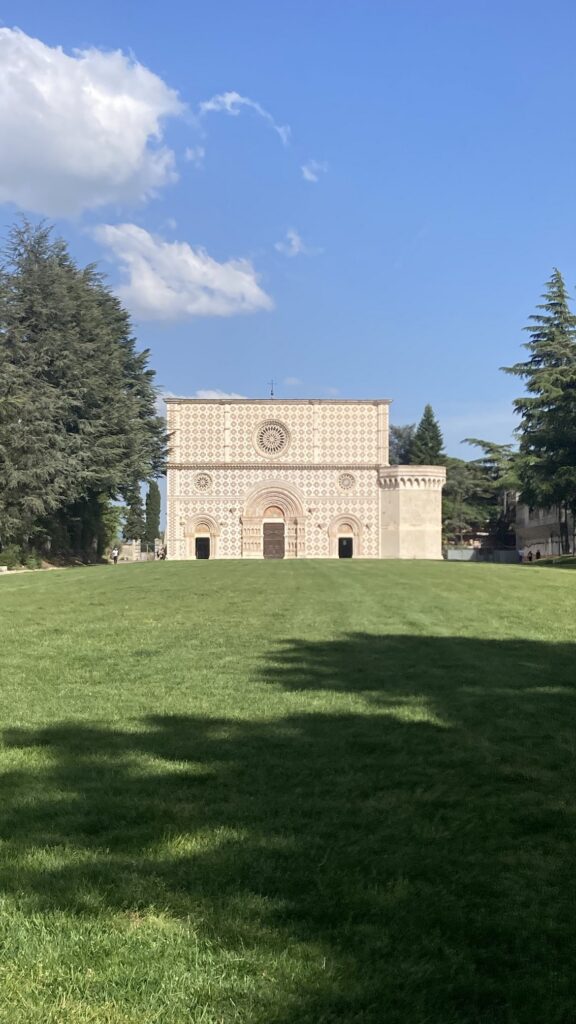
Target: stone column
227	431
382	414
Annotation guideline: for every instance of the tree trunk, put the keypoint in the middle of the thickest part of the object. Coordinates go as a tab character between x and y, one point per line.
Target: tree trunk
563	524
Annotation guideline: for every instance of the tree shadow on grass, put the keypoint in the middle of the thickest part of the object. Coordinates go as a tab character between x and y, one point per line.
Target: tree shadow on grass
415	848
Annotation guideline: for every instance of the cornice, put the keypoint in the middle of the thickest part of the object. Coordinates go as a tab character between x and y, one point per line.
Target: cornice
410	478
270	466
277	401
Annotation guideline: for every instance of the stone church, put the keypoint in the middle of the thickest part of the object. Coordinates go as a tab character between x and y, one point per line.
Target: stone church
297	478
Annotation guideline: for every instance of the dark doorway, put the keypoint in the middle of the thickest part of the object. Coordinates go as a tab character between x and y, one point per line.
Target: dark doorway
345	547
273	540
202	547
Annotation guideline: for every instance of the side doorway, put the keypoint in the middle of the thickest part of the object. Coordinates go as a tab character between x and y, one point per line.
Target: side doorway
202	547
345	547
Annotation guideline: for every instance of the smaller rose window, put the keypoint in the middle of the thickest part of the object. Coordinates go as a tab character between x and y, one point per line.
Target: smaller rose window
346	481
272	438
203	482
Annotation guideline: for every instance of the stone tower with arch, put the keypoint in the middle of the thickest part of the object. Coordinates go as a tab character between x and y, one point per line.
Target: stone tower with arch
300	478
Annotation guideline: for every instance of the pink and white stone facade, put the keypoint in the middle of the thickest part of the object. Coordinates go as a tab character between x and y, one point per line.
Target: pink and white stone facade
318	466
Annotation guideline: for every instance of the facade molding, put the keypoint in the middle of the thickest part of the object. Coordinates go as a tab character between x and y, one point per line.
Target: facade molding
410	477
268	465
276	401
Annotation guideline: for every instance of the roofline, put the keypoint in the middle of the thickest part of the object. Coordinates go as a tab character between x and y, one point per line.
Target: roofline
275	401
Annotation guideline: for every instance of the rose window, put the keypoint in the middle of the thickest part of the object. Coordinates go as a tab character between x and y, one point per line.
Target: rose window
346	481
272	438
203	482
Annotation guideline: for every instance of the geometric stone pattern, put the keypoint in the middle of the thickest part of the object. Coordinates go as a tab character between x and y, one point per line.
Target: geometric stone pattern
319	464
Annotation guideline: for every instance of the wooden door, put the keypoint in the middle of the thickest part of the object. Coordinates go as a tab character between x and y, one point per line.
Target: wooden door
202	547
273	540
345	547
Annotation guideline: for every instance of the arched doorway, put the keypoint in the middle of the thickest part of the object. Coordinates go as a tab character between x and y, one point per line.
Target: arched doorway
273	522
201	533
345	537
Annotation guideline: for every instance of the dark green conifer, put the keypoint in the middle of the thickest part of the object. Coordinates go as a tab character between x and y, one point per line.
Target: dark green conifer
152	530
78	423
427	446
547	431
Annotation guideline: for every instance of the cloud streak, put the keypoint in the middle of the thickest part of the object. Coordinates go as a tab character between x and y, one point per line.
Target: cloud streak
312	170
233	103
292	244
195	155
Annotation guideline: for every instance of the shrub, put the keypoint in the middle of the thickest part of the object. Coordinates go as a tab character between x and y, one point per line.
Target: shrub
11	556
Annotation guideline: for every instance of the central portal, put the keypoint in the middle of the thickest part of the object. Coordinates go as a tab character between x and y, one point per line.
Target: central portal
273	540
273	522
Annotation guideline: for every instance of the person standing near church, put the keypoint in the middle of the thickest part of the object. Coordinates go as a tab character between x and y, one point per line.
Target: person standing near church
115	554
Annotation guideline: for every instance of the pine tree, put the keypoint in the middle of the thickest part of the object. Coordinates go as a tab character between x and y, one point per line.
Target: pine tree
428	443
134	524
547	429
152	530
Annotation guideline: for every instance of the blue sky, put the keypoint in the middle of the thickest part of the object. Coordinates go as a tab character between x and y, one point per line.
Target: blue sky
391	243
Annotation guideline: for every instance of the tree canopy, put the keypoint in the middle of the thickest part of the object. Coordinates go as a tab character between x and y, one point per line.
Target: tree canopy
78	423
547	429
400	444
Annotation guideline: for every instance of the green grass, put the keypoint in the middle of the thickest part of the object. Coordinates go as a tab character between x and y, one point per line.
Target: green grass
288	793
559	562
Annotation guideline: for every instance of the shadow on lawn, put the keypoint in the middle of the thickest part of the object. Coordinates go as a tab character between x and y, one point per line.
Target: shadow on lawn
420	845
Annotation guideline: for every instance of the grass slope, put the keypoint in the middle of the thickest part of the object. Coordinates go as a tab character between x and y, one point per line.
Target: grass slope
287	793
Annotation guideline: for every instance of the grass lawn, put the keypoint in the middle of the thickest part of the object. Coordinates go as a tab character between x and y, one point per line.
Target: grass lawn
288	793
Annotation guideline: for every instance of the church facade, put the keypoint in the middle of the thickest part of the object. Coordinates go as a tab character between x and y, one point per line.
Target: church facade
298	478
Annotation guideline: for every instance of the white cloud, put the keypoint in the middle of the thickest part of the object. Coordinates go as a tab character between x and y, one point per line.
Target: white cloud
195	155
292	382
232	103
293	245
173	281
333	392
79	131
216	393
312	170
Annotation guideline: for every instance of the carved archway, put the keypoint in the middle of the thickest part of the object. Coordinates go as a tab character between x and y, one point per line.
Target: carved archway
287	502
201	525
345	525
